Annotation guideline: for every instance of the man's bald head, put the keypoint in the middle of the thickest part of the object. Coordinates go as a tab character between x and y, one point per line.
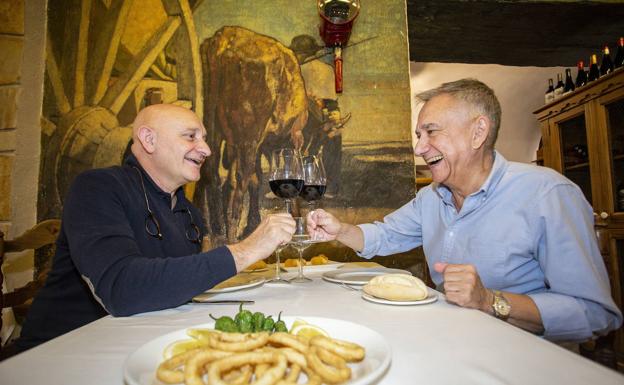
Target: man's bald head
169	143
157	116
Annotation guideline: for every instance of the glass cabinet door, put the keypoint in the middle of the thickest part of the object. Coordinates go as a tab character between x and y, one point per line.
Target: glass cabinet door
574	152
615	133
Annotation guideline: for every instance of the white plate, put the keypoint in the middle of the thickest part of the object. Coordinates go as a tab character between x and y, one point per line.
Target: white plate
331	265
431	297
235	283
140	366
359	276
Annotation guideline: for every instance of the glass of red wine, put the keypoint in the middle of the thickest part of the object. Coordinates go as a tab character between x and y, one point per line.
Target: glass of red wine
314	180
286	182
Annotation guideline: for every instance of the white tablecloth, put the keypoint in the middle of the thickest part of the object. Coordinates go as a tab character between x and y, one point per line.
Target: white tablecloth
431	344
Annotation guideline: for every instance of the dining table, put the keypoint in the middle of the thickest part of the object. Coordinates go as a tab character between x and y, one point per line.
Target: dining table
434	342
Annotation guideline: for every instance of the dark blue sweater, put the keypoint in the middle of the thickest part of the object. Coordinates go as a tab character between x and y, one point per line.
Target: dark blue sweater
106	262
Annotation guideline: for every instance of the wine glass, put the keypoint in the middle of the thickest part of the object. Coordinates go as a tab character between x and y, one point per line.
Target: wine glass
286	181
300	241
277	278
314	180
286	175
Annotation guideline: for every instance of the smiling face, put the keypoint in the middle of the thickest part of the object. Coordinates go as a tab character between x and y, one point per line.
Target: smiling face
445	130
173	142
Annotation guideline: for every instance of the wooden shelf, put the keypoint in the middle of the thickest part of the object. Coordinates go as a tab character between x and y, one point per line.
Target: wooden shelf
618	157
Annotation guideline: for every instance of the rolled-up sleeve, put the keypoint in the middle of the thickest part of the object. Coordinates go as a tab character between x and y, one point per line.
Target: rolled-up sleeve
577	304
400	231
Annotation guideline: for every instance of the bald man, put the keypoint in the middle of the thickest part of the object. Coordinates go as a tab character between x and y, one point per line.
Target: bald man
130	240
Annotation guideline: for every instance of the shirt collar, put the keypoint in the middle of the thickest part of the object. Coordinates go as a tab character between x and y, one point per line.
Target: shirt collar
496	174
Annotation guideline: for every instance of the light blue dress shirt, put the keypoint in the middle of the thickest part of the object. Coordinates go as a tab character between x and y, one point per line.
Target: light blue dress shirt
527	230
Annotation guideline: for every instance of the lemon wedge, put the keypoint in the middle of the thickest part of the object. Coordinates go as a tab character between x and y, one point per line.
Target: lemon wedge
181	346
201	334
308	331
298	321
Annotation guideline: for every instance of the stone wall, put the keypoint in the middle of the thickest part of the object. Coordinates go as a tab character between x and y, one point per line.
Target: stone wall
11	46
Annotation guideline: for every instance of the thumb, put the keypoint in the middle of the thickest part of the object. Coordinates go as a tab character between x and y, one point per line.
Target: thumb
440	267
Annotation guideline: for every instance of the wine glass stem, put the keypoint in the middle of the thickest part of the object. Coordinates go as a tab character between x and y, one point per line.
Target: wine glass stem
288	206
300	262
277	263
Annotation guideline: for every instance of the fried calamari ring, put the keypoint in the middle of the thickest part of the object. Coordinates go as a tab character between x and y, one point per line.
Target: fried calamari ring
293	373
348	350
270	377
168	371
329	366
239	376
195	366
250	342
289	340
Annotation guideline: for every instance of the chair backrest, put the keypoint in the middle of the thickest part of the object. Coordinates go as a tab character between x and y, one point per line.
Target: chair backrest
42	234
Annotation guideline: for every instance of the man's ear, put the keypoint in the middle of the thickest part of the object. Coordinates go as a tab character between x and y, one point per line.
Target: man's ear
480	132
147	138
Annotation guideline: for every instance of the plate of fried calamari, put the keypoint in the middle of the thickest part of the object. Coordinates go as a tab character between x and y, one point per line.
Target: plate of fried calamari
346	353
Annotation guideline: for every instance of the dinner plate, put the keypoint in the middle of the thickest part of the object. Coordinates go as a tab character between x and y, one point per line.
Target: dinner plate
256	270
431	297
359	276
140	366
331	265
238	282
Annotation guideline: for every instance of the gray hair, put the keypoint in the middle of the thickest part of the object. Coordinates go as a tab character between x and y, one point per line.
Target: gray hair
475	93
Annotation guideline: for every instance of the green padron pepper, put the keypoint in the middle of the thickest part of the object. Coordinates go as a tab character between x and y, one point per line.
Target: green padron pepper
244	320
225	324
257	321
280	326
267	324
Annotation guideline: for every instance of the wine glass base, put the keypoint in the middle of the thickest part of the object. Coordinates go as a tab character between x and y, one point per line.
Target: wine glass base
300	279
278	280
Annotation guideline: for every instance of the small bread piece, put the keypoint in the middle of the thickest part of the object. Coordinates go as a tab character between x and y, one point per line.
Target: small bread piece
397	287
320	259
291	262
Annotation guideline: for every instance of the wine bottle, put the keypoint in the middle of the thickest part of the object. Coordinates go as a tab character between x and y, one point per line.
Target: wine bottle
559	87
619	56
594	72
581	75
569	84
606	66
550	92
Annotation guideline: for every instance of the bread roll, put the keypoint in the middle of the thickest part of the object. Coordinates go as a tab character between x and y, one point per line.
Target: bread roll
396	287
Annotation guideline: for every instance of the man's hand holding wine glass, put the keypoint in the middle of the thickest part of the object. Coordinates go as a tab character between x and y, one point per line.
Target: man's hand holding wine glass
323	226
274	230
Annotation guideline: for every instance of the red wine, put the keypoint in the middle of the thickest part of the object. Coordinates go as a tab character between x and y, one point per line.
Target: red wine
286	188
606	66
313	192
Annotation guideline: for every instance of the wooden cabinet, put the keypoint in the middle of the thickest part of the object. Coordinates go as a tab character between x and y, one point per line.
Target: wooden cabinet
583	138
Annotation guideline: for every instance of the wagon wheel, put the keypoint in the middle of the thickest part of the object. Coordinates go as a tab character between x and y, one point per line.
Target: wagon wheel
88	98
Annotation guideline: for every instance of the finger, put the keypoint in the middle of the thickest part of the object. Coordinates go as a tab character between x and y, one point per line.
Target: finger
458	268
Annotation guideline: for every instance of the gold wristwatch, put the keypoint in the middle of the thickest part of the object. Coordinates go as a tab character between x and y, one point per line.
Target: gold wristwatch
501	306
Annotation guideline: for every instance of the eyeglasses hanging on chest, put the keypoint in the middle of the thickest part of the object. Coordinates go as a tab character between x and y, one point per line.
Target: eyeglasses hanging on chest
152	226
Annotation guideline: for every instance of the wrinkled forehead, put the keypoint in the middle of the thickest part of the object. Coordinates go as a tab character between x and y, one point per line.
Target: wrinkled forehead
441	108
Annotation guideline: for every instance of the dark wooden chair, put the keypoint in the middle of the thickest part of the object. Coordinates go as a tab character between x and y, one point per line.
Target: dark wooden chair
19	299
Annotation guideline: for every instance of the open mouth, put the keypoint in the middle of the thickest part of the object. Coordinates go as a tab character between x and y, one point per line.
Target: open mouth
196	161
434	160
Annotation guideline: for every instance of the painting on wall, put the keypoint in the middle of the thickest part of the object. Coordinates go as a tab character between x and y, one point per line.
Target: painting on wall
260	77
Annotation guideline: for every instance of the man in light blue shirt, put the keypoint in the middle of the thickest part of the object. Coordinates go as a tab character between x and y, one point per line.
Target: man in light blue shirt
510	239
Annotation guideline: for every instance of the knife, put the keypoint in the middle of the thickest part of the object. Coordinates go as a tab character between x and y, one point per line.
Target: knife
223	301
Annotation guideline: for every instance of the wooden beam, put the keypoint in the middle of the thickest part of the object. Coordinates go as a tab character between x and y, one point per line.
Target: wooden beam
118	93
198	96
